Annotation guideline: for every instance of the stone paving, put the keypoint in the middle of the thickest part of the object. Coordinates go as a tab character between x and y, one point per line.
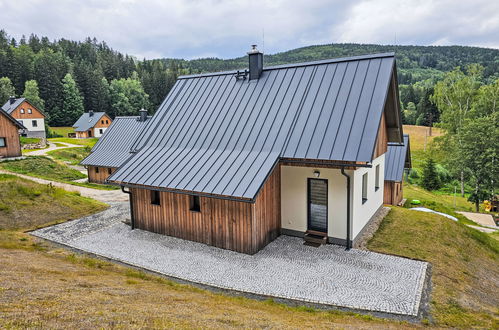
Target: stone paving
284	269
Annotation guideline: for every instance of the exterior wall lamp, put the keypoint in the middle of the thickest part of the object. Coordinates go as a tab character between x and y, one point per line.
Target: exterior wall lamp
317	173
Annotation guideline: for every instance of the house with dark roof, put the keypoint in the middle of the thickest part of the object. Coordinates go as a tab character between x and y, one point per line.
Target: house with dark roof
10	129
92	124
32	118
234	159
397	159
113	148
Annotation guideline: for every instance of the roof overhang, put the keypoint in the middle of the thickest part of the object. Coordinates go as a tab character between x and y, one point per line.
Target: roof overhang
392	110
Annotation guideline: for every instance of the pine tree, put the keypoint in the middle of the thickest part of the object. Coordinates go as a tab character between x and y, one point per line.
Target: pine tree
32	94
72	102
6	90
430	180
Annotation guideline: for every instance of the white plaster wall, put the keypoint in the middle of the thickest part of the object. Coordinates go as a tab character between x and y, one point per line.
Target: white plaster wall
294	198
96	131
362	213
28	123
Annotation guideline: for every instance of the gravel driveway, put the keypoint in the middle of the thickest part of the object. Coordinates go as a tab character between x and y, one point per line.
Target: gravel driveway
284	269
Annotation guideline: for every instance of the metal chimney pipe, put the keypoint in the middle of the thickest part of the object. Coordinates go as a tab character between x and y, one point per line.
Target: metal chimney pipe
255	58
143	114
90	113
12	99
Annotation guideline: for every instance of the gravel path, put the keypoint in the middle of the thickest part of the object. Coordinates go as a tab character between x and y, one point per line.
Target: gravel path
52	146
284	269
480	218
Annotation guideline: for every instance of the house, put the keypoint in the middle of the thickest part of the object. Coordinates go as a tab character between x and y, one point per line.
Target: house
92	124
113	148
398	158
32	118
234	159
10	128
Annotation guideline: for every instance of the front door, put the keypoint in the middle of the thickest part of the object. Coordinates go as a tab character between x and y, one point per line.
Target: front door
317	205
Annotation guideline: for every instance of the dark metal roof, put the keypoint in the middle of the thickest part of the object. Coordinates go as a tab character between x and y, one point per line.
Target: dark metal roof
86	122
12	119
222	136
397	158
113	147
9	107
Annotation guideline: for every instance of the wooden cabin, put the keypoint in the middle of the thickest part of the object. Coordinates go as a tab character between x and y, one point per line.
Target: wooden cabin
32	118
234	159
398	159
92	124
10	129
113	147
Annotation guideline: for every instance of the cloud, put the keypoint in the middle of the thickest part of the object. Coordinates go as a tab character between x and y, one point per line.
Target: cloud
223	28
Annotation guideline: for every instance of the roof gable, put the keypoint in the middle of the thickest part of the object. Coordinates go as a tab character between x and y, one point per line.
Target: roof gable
10	108
12	119
326	110
86	122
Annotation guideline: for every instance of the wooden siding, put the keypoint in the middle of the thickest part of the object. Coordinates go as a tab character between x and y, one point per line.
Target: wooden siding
228	224
392	193
10	132
382	140
102	122
100	177
35	114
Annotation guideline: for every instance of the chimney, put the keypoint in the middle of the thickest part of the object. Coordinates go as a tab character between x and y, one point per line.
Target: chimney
143	114
255	63
12	99
90	113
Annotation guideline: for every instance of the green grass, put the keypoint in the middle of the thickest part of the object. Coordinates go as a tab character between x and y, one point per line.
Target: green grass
25	204
27	140
62	130
43	167
465	264
72	156
82	142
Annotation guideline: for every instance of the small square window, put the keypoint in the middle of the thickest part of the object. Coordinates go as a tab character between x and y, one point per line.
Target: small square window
102	122
107	121
22	110
109	171
364	188
101	131
97	170
155	200
195	205
30	111
2	142
34	123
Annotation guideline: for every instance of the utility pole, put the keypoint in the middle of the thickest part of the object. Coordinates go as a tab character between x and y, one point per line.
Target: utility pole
431	123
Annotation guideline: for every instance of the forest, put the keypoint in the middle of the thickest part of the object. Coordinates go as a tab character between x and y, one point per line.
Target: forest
65	78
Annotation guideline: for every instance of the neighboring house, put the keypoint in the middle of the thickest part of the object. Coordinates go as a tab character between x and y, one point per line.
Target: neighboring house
234	159
398	158
113	148
32	118
10	144
92	124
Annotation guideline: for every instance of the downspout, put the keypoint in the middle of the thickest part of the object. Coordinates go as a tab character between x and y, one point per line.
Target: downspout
349	244
132	222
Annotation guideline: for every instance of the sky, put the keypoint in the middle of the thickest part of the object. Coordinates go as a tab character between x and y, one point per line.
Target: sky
226	29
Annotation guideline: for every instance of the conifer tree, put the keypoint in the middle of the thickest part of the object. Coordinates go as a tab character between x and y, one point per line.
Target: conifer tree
430	180
72	103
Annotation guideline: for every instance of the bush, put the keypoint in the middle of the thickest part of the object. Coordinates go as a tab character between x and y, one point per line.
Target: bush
443	174
414	175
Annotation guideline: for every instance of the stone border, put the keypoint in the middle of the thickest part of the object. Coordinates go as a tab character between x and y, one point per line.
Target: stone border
360	242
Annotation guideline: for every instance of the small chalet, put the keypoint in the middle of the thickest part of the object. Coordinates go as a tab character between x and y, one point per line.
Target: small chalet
113	148
235	159
398	159
32	118
92	124
10	128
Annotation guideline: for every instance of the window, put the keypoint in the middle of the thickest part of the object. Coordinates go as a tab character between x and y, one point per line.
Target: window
96	170
109	171
34	123
195	206
155	197
376	183
364	188
22	110
107	121
2	142
102	122
100	131
30	111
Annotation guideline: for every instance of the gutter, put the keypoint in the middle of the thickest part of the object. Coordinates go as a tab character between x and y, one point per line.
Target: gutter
349	243
132	221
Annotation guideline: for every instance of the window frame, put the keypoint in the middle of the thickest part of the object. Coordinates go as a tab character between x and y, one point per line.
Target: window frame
365	180
97	169
101	131
34	123
376	178
30	111
109	171
194	203
22	110
4	139
155	197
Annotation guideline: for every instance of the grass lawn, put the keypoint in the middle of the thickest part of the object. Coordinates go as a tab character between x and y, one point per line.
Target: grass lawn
71	155
83	142
62	130
465	265
27	140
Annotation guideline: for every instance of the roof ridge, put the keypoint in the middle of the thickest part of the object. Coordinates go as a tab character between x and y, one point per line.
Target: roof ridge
297	65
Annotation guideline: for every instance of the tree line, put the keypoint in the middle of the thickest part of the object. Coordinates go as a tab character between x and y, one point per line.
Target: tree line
65	78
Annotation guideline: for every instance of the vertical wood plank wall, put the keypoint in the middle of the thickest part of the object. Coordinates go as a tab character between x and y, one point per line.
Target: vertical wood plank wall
10	132
238	226
100	177
35	113
392	193
382	141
